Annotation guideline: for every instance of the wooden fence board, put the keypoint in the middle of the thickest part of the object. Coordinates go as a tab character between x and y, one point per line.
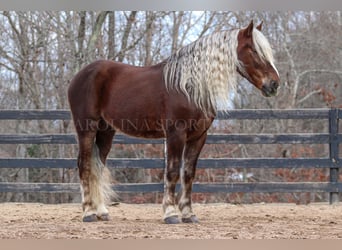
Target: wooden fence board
285	187
212	139
35	115
244	114
153	163
333	139
67	139
247	114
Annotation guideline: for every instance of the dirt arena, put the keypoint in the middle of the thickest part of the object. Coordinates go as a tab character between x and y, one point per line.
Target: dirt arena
217	221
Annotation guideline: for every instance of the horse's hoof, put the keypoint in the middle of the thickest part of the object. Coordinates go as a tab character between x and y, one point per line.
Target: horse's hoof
172	220
191	219
103	217
90	218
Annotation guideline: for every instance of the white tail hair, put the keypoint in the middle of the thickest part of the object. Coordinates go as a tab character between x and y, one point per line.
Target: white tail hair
100	180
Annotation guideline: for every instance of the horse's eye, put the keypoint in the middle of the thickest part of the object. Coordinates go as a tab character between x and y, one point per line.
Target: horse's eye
253	51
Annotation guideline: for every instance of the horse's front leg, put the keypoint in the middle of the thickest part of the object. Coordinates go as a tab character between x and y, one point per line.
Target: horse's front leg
191	154
175	147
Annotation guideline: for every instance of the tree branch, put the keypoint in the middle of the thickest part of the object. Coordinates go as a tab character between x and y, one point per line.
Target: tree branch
96	30
309	95
124	40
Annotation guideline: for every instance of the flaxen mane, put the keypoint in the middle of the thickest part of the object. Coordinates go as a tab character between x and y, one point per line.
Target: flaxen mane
206	70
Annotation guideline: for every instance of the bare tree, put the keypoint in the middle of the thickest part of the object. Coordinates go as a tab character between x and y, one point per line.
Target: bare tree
41	51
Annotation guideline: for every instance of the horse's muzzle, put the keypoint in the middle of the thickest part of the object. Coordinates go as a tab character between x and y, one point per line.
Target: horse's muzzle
270	89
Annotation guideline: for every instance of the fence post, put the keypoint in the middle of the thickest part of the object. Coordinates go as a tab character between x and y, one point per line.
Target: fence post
165	162
334	153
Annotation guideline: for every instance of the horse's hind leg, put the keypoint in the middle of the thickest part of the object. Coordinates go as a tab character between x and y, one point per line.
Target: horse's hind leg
104	138
191	154
85	141
94	176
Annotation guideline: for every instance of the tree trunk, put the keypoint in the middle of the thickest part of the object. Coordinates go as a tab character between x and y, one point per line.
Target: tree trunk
111	37
127	31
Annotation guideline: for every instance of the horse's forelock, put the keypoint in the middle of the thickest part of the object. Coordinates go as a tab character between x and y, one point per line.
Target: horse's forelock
263	48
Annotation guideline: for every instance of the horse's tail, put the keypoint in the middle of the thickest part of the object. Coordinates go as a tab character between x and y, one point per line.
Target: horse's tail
101	191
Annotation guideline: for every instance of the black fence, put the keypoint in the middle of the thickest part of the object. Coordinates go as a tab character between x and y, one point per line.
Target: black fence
332	138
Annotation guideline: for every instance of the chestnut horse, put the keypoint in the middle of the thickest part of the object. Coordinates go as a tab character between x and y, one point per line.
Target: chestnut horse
176	99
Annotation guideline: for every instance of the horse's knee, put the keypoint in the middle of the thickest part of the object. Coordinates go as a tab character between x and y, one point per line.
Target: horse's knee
188	175
172	175
173	171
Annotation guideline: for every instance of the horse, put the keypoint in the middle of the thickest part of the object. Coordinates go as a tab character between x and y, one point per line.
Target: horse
176	99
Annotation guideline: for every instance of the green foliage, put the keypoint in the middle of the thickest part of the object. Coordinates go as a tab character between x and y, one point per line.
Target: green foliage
33	151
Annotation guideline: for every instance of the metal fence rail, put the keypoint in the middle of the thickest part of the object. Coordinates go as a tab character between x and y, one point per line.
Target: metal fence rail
333	138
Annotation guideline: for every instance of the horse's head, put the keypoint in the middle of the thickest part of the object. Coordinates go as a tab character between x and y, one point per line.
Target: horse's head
256	58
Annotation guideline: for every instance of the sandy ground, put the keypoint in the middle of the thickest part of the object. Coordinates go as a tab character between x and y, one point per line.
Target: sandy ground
217	221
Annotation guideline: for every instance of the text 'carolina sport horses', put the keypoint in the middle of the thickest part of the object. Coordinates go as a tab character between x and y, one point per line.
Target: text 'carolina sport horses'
176	99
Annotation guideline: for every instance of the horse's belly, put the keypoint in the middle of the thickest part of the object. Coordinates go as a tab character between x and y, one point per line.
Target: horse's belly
143	127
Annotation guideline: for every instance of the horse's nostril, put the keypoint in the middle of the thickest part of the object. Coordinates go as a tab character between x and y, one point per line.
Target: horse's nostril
274	84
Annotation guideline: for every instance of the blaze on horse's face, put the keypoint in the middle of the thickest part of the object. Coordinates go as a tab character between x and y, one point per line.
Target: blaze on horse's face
261	72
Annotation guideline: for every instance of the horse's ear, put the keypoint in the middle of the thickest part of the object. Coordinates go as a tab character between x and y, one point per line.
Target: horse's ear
259	26
249	29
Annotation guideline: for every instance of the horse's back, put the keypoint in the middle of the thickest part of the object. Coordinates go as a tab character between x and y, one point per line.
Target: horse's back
93	75
117	91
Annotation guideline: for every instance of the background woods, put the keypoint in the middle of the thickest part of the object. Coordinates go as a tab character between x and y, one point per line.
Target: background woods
41	51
